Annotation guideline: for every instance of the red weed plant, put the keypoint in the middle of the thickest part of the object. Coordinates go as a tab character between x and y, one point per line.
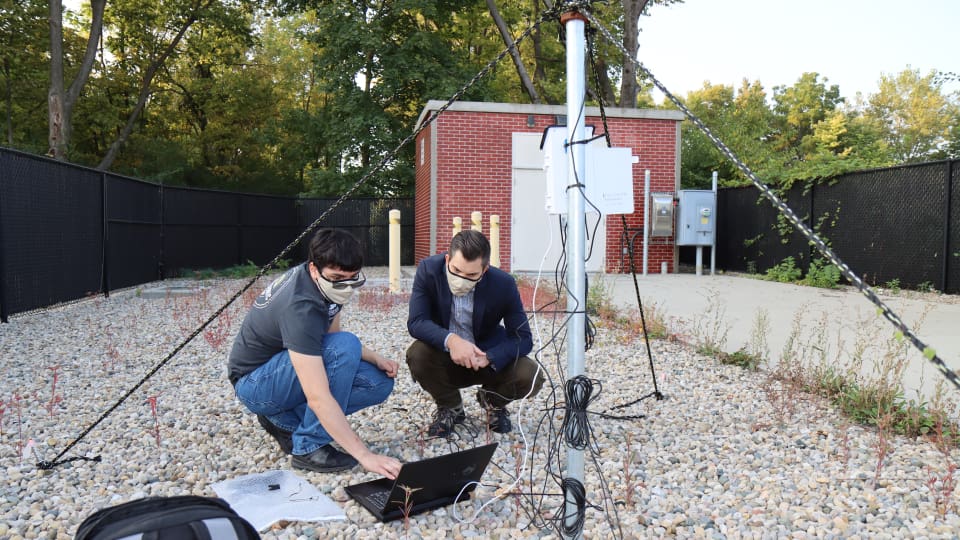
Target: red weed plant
152	400
54	397
944	485
17	398
217	332
381	299
113	354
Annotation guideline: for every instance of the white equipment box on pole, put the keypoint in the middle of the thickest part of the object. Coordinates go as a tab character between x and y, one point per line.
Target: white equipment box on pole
609	188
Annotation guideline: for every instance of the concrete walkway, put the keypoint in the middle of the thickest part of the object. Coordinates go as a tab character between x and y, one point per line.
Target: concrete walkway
832	322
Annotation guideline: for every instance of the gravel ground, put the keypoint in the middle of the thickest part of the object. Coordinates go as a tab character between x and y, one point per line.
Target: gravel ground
726	455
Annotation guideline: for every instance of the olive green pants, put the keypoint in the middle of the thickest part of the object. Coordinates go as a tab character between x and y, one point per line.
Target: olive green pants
442	379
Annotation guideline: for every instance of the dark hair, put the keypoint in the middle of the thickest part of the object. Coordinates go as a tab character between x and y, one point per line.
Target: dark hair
337	248
472	245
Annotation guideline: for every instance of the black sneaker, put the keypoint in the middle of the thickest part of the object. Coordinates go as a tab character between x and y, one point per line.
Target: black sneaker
444	420
283	437
324	459
499	420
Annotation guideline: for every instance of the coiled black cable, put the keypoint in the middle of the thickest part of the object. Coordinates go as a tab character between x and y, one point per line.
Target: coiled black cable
574	491
576	426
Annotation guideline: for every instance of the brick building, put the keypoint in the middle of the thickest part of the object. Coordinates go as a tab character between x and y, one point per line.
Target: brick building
486	157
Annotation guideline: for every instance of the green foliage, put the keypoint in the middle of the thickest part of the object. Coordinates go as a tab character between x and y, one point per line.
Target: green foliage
914	116
810	132
709	349
893	286
233	272
925	286
25	72
801	111
599	301
305	96
741	358
741	119
785	272
822	274
865	403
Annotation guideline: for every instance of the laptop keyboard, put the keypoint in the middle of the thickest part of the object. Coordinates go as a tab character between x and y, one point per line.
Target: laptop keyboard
379	498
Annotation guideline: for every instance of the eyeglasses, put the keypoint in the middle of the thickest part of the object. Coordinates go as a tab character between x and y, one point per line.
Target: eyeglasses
354	283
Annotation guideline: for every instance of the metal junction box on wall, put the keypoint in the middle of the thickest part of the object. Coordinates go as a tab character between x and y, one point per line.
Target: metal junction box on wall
697	217
661	213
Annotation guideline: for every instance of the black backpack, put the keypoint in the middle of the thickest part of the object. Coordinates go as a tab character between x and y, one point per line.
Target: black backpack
186	517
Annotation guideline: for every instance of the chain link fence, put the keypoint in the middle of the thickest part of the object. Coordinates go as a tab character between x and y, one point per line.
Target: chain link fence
900	223
67	231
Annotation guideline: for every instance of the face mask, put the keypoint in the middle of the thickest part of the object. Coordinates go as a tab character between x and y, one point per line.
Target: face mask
460	285
339	292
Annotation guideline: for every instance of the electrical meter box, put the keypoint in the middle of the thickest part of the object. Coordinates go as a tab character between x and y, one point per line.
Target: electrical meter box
661	214
697	218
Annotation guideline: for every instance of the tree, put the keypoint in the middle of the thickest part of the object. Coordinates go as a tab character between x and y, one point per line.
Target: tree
61	99
798	109
621	18
514	52
742	120
157	30
817	136
378	62
24	36
914	114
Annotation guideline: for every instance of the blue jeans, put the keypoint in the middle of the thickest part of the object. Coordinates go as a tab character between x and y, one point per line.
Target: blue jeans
274	390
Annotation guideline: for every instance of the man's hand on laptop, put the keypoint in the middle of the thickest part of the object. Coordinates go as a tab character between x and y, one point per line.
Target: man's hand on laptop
380	464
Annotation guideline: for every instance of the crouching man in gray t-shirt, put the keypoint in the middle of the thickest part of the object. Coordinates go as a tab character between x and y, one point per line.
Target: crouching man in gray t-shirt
294	368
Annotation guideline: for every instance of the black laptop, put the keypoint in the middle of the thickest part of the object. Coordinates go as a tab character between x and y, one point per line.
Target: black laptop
432	483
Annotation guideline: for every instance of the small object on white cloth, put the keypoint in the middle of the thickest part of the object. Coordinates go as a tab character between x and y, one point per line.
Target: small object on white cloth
251	496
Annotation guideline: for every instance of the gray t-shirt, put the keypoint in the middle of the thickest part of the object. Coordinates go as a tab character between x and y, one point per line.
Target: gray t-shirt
289	314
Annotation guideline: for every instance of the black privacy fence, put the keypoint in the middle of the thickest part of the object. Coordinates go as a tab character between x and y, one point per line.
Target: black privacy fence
900	223
67	232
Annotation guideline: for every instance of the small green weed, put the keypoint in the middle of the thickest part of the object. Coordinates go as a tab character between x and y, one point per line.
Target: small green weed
707	349
925	286
709	327
893	286
653	315
822	274
741	358
236	272
599	301
785	272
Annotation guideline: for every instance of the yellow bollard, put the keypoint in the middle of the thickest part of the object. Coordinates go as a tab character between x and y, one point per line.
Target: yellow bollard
394	251
457	225
477	219
495	240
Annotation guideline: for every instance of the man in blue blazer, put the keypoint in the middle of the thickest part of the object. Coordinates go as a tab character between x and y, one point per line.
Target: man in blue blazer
456	309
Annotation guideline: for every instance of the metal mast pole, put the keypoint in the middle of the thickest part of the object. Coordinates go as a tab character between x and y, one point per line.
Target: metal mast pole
575	24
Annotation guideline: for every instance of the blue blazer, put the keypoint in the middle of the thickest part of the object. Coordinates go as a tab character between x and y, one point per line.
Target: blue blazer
495	300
